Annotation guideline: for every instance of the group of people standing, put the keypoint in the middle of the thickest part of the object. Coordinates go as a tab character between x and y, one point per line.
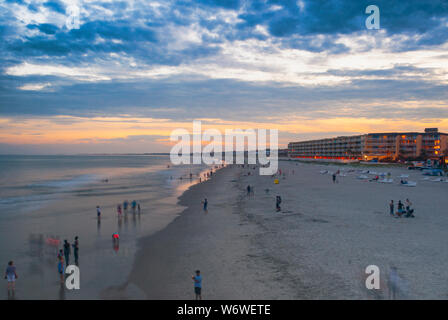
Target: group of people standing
65	252
403	210
135	206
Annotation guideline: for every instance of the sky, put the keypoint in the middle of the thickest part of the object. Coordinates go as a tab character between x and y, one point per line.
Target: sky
132	71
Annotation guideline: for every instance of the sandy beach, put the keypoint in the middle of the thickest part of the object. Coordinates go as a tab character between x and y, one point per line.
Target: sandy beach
317	247
218	242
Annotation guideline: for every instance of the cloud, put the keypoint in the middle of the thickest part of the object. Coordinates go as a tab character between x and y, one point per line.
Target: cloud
56	6
35	86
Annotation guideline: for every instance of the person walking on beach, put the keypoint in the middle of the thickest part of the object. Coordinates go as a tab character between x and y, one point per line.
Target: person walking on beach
98	212
138	208
248	190
197	279
205	202
75	246
119	210
391	207
11	276
278	201
67	252
334	178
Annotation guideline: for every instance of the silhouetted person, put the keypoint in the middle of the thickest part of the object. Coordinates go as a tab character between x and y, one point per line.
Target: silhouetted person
75	246
67	252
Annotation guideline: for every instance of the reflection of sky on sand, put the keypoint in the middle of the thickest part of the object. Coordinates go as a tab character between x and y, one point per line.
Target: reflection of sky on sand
67	209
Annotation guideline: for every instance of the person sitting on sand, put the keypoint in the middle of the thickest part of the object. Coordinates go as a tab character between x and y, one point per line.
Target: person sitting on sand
409	210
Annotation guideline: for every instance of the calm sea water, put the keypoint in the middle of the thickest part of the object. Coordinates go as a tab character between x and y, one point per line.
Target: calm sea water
54	197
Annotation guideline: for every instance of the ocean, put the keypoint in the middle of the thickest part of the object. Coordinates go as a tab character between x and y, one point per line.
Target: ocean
46	199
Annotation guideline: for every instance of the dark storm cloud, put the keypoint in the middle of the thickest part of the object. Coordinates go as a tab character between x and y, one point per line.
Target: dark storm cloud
177	99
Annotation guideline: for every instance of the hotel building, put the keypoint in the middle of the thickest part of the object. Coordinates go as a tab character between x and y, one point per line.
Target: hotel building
430	144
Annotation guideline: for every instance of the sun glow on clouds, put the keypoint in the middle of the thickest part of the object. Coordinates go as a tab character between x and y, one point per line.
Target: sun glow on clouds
66	130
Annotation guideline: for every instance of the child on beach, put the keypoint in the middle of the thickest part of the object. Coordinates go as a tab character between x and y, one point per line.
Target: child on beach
197	285
11	276
60	253
61	269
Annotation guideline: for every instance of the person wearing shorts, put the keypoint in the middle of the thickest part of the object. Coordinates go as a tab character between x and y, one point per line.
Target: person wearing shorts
197	285
11	276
